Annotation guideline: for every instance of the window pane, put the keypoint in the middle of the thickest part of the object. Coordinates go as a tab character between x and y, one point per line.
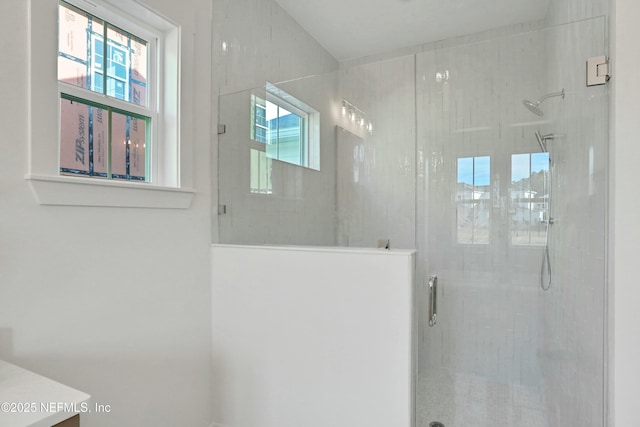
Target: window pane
83	58
99	148
529	198
128	147
259	120
289	137
119	141
139	71
473	196
465	223
283	127
254	171
539	162
260	172
117	64
97	65
481	222
261	134
83	130
520	171
271	115
465	172
137	148
73	53
284	134
481	170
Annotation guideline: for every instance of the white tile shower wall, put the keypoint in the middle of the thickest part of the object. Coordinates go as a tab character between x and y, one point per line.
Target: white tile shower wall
300	207
489	298
257	41
376	171
573	309
499	331
563	11
376	181
312	337
452	42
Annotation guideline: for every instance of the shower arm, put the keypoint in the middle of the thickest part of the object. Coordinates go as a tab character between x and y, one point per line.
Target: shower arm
551	95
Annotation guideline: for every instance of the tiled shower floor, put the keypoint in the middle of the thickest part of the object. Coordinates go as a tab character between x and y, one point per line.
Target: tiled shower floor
459	400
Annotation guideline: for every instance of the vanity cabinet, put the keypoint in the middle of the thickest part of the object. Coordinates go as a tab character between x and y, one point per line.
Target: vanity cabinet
29	399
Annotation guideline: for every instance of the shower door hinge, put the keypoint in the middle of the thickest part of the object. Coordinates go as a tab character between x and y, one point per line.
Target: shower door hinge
222	129
598	70
222	209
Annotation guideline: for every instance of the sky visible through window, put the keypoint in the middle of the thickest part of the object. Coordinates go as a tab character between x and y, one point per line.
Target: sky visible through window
481	171
467	171
520	165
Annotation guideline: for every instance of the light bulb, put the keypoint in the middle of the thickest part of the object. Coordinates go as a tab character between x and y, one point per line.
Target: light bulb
344	111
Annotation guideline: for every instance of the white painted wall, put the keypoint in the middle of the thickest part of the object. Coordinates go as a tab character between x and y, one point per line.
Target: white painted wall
110	301
625	231
312	337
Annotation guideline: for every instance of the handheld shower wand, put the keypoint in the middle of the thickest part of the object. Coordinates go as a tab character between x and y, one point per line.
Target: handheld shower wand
542	140
546	257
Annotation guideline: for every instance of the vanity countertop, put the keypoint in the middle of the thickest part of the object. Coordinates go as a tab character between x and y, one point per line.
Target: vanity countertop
29	399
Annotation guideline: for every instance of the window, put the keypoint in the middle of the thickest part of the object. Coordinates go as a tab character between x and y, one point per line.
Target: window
286	128
106	117
473	196
529	198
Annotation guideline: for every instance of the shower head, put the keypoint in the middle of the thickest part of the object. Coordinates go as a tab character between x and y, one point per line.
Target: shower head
542	140
534	107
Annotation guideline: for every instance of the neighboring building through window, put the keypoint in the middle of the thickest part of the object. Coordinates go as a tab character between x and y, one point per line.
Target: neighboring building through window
473	195
107	113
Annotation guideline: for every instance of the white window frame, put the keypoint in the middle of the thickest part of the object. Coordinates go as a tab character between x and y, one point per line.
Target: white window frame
152	110
170	176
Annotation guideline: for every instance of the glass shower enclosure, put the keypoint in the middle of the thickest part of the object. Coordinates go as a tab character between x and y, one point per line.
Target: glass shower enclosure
437	152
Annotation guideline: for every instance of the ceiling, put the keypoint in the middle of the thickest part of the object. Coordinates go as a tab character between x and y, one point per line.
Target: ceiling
354	28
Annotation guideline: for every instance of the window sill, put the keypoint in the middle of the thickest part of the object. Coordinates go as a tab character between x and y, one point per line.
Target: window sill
77	191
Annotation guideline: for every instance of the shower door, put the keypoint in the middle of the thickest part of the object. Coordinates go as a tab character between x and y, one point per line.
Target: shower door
495	349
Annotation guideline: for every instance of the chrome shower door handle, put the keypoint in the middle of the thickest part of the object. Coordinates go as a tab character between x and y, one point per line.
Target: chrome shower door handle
433	299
